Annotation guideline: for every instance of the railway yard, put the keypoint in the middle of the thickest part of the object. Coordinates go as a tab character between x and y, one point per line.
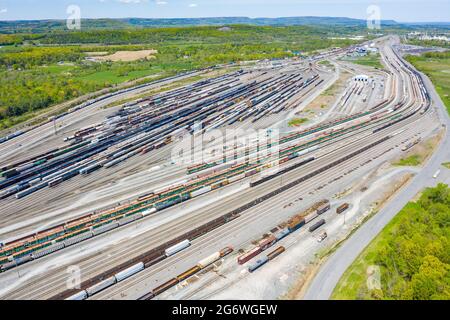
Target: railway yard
96	204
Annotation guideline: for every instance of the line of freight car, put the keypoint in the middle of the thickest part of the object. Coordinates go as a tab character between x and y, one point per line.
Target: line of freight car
11	136
34	159
49	160
293	136
56	170
294	224
45	175
118	277
8	243
308	215
92	168
56	245
164	204
330	165
393	122
151	139
37	160
289	152
284	152
201	265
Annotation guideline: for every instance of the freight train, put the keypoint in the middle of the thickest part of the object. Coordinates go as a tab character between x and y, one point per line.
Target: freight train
201	265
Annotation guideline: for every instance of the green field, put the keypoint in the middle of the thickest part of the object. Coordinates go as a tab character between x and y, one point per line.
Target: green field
437	67
370	60
412	253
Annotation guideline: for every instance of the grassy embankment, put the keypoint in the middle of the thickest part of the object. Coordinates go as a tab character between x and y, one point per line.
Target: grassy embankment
436	65
370	60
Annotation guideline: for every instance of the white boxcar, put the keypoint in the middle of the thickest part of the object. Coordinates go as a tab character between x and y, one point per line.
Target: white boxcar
209	260
178	247
78	296
148	212
129	271
200	191
101	286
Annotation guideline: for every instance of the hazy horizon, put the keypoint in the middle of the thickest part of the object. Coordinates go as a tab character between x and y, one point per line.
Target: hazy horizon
402	11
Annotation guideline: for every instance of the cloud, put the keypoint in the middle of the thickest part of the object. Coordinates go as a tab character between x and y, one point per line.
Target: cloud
193	5
161	3
4	10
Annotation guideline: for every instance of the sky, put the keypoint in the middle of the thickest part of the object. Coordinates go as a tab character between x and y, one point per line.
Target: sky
399	10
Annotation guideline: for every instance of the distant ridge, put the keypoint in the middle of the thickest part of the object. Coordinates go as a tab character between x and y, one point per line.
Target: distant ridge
39	26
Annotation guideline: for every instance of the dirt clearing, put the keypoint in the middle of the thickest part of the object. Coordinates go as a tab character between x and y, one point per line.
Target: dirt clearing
127	56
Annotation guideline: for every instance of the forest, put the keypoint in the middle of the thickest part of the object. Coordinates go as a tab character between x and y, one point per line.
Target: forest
412	252
40	70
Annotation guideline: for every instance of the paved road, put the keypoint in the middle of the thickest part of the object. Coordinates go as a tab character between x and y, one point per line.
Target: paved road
329	274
